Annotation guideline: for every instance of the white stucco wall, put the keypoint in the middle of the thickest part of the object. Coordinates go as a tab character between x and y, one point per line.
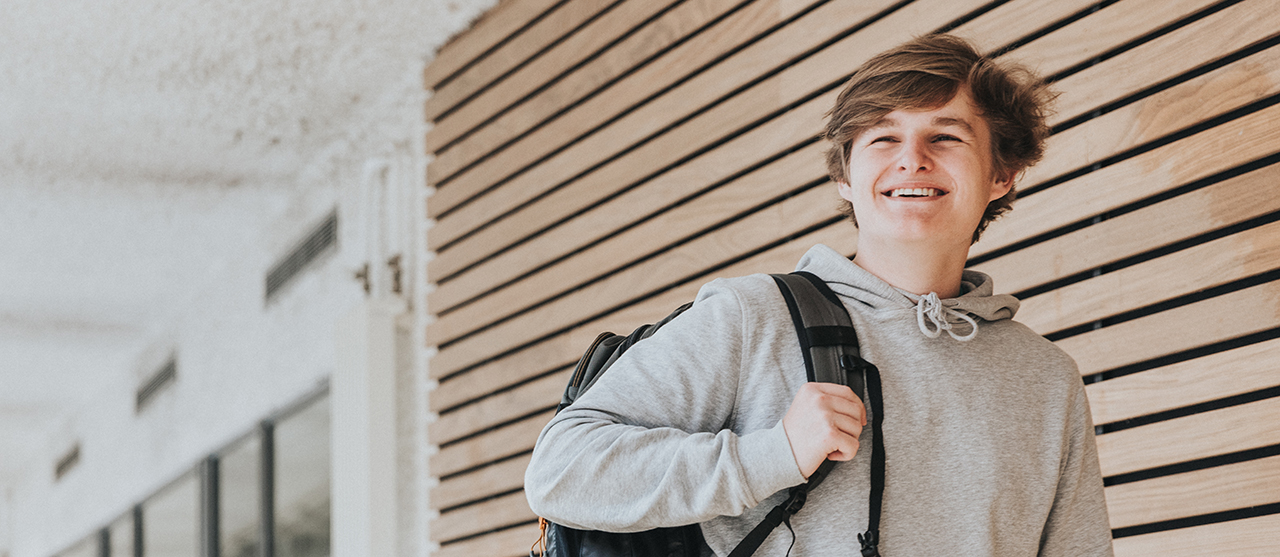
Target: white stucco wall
156	158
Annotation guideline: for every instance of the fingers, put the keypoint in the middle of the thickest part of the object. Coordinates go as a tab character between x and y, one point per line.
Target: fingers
824	422
835	398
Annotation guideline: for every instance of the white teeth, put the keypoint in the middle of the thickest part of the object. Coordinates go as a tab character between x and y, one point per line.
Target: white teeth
914	192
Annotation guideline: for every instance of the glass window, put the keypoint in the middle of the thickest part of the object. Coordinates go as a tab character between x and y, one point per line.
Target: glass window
122	536
302	482
171	520
240	503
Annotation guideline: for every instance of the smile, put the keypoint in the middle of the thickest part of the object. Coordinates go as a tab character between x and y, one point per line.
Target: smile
914	192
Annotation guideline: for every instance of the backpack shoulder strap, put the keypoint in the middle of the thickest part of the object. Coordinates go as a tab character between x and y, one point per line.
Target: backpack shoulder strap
829	344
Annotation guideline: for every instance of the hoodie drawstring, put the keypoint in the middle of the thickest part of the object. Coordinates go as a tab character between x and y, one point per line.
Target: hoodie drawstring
930	306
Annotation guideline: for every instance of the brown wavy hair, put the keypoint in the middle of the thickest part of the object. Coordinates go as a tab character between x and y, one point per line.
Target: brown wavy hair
926	73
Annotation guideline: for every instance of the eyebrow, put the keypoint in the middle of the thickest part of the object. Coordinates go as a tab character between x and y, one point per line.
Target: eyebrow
941	121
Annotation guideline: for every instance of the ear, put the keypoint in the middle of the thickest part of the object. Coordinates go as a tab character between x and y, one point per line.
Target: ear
1003	183
846	192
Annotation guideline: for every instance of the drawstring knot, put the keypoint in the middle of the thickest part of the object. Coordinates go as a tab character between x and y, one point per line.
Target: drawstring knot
929	306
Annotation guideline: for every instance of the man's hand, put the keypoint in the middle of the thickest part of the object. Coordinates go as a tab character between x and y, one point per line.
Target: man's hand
824	422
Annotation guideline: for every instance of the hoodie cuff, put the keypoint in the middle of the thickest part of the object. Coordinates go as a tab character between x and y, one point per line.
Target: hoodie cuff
767	462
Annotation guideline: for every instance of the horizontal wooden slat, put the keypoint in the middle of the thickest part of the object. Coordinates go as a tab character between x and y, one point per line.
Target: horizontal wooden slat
1207	265
1217	92
1194	45
512	542
792	216
615	61
1009	22
488	515
1234	372
1213	433
791	84
485	482
1234	486
1102	31
1224	317
500	443
492	28
536	395
564	349
678	102
1189	215
635	205
1251	137
509	73
1249	537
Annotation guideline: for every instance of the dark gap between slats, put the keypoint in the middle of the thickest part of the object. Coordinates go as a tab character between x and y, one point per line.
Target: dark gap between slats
1148	37
659	133
1188	299
1149	255
601	88
693	195
1214	518
1197	184
489	51
588	133
672	245
656	292
517	67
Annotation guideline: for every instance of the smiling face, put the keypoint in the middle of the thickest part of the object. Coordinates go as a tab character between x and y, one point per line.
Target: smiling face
923	175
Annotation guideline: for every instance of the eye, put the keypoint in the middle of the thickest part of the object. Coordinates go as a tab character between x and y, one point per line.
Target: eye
945	137
884	139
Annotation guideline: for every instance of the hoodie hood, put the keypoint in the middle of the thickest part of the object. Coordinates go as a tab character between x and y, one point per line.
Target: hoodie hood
957	316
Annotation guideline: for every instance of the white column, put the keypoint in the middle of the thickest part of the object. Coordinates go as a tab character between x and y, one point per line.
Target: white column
363	394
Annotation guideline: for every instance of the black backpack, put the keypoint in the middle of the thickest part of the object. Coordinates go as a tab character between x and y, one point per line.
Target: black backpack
830	348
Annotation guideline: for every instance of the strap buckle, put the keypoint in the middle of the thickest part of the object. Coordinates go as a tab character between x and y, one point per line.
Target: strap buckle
869	541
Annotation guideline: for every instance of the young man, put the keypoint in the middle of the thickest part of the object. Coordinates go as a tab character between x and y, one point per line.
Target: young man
987	433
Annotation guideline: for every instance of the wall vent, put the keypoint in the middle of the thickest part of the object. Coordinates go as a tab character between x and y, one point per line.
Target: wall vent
159	380
66	462
308	250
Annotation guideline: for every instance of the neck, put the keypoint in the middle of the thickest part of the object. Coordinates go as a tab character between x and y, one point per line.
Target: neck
916	268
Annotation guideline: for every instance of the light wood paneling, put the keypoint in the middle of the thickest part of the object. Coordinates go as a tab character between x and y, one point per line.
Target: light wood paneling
1251	137
1174	109
612	64
491	480
1234	372
1213	37
565	349
492	514
537	394
1101	31
1212	208
1180	273
791	216
528	192
1225	317
1213	433
504	20
499	443
513	542
510	72
1250	537
1223	488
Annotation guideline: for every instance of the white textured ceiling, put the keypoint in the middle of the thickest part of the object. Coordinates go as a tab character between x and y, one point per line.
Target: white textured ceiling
151	148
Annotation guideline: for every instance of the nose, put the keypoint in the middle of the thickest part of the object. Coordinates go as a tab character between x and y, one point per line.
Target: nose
914	156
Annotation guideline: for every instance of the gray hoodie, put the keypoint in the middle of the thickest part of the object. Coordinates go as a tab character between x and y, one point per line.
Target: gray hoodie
987	432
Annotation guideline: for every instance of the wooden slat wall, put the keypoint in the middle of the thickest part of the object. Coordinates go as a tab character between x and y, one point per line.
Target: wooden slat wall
595	161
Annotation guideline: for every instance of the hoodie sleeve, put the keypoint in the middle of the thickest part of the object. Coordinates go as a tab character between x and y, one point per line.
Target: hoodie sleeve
1078	524
649	444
